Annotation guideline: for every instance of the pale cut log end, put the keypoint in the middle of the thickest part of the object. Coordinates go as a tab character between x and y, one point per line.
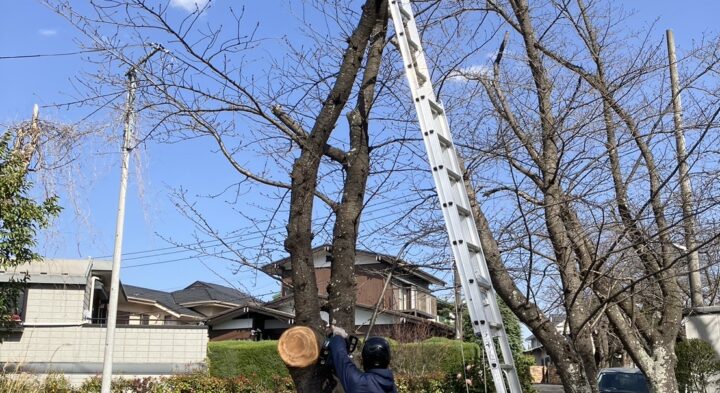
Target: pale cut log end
298	347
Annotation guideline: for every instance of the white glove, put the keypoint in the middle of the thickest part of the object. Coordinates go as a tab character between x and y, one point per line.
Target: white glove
338	331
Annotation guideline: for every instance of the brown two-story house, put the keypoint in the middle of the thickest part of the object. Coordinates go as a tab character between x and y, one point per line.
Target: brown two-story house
407	303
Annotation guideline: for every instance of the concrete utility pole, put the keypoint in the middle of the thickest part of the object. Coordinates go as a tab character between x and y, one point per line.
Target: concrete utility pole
686	195
120	224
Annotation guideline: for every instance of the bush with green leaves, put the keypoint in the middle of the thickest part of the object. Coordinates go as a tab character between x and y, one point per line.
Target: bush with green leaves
698	366
436	355
20	219
258	361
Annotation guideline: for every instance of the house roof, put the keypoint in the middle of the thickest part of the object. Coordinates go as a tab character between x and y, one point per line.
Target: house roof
56	271
164	299
203	292
402	266
61	272
251	307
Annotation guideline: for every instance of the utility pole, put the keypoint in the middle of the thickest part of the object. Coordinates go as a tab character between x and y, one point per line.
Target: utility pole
120	224
686	195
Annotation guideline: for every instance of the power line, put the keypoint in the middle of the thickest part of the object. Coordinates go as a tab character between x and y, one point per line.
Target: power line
239	238
215	254
36	55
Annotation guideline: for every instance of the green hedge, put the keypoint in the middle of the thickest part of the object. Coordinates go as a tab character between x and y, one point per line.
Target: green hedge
436	355
261	360
258	361
430	361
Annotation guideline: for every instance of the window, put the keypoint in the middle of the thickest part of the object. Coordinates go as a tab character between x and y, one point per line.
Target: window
17	300
123	318
20	306
144	319
170	321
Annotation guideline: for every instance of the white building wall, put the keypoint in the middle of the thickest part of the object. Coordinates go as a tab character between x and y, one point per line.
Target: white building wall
54	336
243	323
706	327
54	305
363	316
79	344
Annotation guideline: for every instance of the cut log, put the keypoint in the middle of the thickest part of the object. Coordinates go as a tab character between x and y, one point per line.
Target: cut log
298	347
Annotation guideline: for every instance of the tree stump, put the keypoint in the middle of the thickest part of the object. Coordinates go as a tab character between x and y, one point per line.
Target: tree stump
298	347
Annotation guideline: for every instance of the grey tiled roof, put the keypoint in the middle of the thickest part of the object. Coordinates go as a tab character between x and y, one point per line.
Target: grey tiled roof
204	291
164	298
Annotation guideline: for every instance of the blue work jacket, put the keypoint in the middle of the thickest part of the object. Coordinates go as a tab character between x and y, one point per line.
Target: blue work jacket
376	380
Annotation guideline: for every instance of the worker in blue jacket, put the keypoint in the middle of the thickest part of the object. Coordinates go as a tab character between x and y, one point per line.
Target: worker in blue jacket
377	378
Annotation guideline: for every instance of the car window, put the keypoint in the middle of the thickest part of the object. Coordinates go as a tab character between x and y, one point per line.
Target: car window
623	382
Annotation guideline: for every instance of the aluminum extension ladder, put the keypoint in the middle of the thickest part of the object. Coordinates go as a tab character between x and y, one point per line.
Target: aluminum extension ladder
448	175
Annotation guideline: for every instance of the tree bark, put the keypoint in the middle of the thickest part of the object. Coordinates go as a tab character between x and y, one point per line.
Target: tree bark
559	348
303	186
341	289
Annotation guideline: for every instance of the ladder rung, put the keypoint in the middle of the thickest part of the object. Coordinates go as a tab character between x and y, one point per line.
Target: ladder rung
420	77
403	12
413	45
454	176
463	211
482	283
473	248
436	108
444	141
507	367
495	325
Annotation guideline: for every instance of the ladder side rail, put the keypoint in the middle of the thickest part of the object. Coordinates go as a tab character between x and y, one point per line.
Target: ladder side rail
434	126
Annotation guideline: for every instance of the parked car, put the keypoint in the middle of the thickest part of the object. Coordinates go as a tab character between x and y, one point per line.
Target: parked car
622	380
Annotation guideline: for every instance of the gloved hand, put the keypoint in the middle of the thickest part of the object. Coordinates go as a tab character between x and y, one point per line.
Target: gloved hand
338	331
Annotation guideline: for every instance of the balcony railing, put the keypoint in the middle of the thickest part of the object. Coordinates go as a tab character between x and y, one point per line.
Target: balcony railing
412	300
137	320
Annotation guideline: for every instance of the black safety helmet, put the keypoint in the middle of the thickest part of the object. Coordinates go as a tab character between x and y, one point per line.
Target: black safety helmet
376	353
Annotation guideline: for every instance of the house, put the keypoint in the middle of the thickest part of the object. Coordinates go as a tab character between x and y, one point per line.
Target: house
195	303
230	314
61	325
407	306
535	349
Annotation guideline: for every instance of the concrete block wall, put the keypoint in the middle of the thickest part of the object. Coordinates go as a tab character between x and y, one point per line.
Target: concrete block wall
183	345
54	305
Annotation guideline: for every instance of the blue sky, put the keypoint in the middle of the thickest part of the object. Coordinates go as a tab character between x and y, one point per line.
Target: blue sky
28	28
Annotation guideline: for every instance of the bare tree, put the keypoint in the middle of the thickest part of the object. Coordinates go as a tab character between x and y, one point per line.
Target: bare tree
285	114
581	131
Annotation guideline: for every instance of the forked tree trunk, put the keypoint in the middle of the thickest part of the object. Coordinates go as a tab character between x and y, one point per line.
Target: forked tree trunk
341	290
305	169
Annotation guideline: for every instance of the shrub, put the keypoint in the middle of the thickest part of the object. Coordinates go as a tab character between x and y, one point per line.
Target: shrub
436	355
257	361
198	383
697	365
430	383
16	382
56	383
475	379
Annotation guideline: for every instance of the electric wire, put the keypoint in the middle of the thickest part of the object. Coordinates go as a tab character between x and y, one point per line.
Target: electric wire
38	55
216	254
137	255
